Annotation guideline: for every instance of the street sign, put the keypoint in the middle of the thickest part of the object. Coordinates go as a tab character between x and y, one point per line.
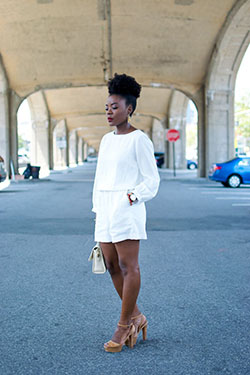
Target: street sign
173	135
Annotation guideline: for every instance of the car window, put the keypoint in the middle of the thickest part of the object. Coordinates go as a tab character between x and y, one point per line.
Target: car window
244	162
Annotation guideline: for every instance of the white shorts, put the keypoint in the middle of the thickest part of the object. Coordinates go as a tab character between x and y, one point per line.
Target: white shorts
116	220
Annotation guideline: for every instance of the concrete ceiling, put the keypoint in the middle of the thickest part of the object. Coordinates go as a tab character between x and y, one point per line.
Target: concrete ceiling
70	48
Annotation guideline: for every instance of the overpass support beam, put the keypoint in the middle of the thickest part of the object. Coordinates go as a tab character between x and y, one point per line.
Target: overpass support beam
14	103
199	101
228	52
85	150
177	120
60	144
4	117
73	147
80	149
158	135
42	132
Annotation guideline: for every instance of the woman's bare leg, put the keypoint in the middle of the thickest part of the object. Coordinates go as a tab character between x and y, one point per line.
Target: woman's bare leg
112	263
117	267
128	252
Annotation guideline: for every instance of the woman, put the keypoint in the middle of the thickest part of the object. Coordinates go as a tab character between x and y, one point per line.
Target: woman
126	177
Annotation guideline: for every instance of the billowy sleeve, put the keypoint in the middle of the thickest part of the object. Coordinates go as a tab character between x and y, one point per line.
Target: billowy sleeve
94	196
148	187
95	192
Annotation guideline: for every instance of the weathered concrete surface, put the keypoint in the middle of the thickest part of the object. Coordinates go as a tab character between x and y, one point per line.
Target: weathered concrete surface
69	50
55	315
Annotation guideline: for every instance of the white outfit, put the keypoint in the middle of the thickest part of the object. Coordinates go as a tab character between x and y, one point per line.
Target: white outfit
125	162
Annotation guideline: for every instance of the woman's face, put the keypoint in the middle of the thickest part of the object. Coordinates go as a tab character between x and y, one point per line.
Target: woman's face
116	110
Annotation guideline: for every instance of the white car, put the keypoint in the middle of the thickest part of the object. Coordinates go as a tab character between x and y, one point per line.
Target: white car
23	159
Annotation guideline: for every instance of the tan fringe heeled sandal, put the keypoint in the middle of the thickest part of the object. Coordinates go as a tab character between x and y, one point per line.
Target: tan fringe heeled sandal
114	347
143	326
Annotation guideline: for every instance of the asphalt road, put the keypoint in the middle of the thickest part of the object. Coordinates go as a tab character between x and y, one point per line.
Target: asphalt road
55	314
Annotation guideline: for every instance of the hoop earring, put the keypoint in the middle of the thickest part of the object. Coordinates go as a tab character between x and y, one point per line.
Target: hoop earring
129	118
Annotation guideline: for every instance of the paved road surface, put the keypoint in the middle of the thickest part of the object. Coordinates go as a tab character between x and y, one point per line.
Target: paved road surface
55	315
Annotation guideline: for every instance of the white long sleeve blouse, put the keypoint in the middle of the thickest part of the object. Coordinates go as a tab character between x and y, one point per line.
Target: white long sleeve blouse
126	162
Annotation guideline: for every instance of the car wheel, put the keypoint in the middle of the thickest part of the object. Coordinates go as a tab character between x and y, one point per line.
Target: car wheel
191	166
234	181
225	184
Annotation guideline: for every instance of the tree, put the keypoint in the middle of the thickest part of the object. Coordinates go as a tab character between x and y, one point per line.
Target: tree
242	116
21	142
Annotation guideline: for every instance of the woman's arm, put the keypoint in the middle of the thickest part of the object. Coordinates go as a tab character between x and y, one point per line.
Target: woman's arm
148	187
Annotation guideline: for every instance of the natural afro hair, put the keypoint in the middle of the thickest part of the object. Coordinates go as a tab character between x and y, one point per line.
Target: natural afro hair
125	86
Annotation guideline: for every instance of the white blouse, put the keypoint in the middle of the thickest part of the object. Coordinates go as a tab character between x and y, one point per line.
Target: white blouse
126	162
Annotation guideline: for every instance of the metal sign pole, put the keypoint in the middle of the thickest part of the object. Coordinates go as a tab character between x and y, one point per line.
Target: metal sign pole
174	158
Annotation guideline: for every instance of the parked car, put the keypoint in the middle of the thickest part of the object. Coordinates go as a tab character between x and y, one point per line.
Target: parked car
92	158
231	173
3	172
159	158
191	164
23	159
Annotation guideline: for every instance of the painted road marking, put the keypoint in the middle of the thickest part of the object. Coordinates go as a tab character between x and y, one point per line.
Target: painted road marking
241	204
227	198
226	193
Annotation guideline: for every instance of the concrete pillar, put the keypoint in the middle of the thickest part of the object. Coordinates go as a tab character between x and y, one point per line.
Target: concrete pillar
41	152
9	103
80	150
158	135
228	52
60	144
85	150
14	102
4	116
199	101
177	120
73	147
77	140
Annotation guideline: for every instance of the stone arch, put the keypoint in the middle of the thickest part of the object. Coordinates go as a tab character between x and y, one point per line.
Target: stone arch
228	52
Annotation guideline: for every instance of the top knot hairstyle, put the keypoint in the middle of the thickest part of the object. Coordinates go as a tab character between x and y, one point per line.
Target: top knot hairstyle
125	86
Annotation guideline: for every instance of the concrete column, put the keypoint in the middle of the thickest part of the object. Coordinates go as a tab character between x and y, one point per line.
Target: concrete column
220	126
199	101
4	117
41	152
85	151
158	135
177	120
228	52
60	144
73	147
14	102
80	150
76	145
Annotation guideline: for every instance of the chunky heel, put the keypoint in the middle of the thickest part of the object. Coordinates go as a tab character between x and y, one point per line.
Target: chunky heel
142	326
144	332
114	347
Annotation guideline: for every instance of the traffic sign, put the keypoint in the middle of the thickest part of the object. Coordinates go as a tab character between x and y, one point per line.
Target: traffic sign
173	135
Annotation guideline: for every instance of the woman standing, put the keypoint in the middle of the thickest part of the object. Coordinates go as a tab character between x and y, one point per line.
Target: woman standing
126	177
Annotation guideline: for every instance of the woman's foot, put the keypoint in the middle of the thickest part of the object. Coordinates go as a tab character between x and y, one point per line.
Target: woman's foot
123	333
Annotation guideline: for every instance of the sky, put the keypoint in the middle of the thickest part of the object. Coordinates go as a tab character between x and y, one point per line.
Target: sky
242	86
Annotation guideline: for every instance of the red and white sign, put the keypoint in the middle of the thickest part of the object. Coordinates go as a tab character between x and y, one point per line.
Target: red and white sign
173	135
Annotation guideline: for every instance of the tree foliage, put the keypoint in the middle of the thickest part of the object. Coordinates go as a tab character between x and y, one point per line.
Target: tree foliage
242	116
